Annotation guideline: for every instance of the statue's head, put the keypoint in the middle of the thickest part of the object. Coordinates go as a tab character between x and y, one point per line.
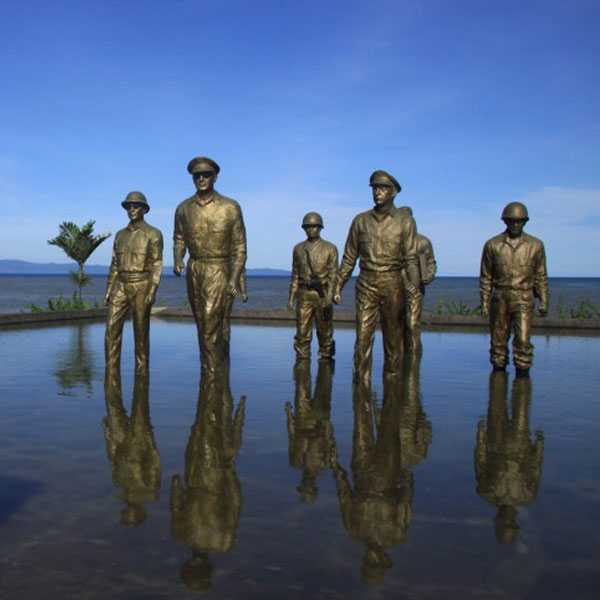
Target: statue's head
204	172
384	187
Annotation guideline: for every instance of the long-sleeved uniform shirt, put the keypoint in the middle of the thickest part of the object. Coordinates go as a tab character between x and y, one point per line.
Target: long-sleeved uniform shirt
515	264
384	242
137	249
318	258
214	230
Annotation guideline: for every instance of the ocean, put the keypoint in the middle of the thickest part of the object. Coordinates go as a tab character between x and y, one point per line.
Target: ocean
17	292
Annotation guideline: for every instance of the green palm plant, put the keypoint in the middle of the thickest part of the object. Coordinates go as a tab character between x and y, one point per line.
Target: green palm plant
78	243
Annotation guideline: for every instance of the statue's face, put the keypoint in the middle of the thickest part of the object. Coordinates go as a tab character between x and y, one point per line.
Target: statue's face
312	231
135	212
204	181
383	195
515	227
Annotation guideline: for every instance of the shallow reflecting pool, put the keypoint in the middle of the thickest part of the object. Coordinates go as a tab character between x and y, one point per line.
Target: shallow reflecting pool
278	480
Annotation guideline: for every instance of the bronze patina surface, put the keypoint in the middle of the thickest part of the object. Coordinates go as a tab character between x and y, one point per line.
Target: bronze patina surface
314	271
211	228
311	438
508	464
133	279
387	442
385	240
414	303
513	274
131	448
207	502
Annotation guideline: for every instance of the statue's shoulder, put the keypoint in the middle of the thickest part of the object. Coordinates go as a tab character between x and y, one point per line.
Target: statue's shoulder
329	245
299	246
531	239
404	211
228	202
495	241
152	231
183	205
120	233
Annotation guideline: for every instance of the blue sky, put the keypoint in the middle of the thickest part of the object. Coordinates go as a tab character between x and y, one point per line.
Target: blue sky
469	104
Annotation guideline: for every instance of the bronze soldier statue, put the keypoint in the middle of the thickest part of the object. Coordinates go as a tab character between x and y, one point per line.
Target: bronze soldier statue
377	509
384	238
131	447
314	270
513	274
206	505
310	432
414	304
508	465
133	279
211	228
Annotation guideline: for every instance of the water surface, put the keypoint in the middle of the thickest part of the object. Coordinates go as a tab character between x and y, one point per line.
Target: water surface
441	484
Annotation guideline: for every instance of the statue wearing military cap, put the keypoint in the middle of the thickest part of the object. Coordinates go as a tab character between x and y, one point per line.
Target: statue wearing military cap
513	274
314	269
385	240
210	227
133	279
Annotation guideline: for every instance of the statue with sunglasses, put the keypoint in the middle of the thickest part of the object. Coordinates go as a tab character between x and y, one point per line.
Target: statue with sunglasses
133	279
210	227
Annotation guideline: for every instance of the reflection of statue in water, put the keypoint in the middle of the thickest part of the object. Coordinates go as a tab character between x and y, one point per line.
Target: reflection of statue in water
310	432
414	427
508	465
131	448
206	505
378	510
75	365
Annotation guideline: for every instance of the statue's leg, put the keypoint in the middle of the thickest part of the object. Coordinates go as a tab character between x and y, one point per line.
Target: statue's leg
367	310
522	313
140	313
212	308
305	313
117	311
499	330
392	324
324	318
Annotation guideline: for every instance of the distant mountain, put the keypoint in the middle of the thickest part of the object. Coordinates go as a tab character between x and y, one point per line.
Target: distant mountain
22	267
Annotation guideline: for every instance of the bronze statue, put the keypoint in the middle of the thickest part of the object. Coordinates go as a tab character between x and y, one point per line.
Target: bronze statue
384	238
513	274
314	270
377	511
206	505
211	228
310	432
414	303
133	279
508	465
131	447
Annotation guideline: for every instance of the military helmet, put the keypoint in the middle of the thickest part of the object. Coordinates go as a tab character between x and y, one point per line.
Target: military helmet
515	210
135	198
312	218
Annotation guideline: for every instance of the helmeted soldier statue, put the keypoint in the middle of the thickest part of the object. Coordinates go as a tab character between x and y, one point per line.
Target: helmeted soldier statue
508	464
384	238
314	270
513	274
131	447
310	432
414	303
211	228
133	279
